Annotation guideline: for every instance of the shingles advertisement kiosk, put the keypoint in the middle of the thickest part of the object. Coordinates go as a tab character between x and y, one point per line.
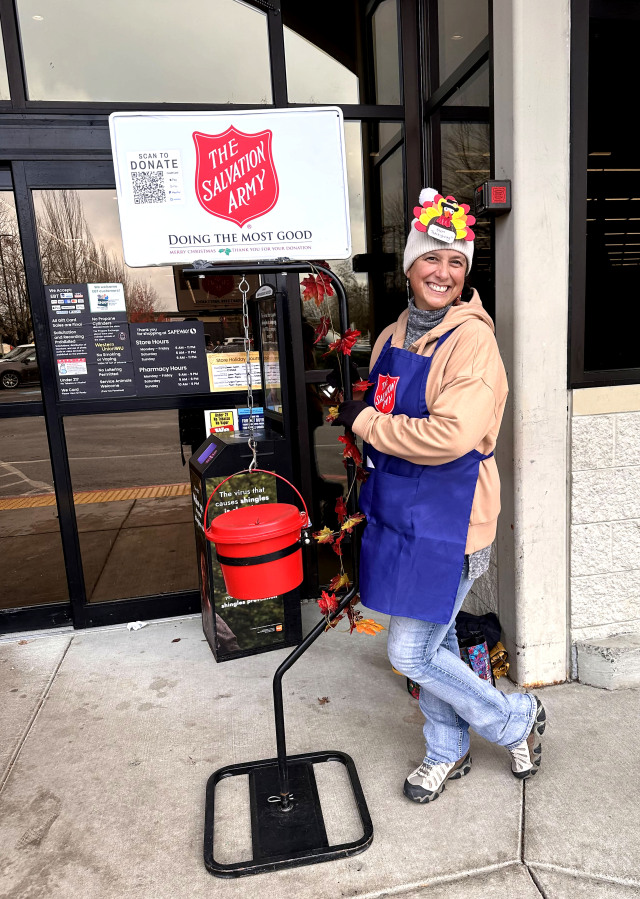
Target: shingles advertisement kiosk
251	193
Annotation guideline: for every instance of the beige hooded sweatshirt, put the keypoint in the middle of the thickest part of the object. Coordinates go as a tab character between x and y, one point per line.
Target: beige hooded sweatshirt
465	394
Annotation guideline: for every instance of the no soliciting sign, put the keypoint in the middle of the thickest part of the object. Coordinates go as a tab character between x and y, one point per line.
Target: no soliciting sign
231	186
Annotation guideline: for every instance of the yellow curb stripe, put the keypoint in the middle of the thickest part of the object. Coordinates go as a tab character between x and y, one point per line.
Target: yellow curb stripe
86	497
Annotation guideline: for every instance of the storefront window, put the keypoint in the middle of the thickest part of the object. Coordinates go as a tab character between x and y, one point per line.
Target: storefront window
19	372
33	569
613	206
321	59
466	162
474	91
133	501
4	81
355	283
154	51
384	26
387	132
462	24
394	223
80	242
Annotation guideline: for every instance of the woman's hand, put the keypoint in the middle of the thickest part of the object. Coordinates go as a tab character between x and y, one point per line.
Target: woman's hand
348	412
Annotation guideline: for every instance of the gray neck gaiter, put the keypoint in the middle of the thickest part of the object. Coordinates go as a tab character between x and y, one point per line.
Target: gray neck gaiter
421	321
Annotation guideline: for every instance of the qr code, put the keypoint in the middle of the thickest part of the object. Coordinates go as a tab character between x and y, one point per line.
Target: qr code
148	187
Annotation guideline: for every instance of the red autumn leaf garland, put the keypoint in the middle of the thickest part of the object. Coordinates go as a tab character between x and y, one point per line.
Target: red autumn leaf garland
350	449
338	582
328	603
333	413
351	522
317	288
309	288
326	535
361	473
323	328
345	343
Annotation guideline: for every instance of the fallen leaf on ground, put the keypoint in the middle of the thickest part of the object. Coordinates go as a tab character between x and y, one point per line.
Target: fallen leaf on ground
323	700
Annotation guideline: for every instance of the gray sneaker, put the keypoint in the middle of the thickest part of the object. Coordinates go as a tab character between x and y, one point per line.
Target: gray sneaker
428	781
526	757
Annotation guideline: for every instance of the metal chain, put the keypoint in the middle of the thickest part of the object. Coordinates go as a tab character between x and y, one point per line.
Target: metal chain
253	446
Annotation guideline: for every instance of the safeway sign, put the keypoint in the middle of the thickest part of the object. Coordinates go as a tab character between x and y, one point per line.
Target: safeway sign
231	186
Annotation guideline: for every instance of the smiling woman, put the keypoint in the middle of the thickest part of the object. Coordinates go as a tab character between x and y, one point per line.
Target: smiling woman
437	278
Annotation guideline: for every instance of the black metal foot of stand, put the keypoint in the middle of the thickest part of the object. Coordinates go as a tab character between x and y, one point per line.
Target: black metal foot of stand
285	839
287	825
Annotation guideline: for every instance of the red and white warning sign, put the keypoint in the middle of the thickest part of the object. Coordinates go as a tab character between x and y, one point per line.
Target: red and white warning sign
231	186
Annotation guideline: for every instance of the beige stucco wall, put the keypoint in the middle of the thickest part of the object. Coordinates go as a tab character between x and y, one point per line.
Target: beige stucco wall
605	512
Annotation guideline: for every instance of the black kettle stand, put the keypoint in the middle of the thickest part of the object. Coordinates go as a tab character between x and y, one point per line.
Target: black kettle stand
287	824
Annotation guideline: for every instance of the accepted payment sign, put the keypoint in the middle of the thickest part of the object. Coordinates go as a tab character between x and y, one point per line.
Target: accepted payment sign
231	186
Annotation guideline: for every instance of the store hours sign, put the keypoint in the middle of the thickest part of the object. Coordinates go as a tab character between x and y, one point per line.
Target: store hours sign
99	355
231	186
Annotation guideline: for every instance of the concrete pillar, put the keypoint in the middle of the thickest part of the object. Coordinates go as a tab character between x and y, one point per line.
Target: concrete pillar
531	95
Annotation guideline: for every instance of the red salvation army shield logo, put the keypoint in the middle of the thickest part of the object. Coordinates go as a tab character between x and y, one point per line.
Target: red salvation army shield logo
235	175
385	396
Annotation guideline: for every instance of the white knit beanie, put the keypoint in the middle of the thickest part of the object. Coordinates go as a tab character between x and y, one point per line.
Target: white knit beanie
420	242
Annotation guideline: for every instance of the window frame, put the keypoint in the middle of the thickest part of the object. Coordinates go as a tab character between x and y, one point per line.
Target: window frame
578	376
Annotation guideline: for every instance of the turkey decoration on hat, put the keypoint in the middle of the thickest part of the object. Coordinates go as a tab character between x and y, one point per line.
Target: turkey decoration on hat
439	223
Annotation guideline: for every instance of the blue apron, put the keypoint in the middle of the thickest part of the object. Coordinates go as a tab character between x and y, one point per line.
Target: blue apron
414	543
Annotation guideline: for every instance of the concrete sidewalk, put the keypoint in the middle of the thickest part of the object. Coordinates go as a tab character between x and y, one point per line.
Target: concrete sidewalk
107	738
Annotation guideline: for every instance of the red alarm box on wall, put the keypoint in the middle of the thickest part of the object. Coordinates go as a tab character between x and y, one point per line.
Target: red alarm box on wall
493	198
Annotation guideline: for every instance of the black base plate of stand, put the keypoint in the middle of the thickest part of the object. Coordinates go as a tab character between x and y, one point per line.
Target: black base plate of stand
285	839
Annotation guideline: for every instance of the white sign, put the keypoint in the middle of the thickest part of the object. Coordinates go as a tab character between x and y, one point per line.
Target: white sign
106	298
231	186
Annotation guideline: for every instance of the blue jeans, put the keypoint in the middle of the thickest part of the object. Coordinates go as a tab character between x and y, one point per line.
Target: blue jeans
452	697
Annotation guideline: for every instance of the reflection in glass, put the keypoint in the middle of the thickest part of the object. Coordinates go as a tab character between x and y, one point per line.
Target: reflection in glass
465	158
33	571
474	91
384	27
80	242
4	81
147	51
393	221
466	162
19	373
320	58
271	355
387	132
462	24
133	504
355	283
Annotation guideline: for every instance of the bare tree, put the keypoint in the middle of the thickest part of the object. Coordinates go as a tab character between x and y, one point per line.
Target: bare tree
71	255
15	313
